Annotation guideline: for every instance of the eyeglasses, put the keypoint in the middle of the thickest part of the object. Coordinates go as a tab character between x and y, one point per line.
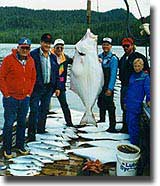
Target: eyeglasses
25	48
59	47
126	46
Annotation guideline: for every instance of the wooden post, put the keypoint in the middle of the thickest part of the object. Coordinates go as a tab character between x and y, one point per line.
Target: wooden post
89	13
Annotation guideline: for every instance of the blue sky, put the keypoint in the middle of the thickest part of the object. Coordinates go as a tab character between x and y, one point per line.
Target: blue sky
104	5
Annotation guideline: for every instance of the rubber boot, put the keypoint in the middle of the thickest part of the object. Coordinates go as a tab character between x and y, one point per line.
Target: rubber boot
102	115
67	117
112	120
41	126
124	128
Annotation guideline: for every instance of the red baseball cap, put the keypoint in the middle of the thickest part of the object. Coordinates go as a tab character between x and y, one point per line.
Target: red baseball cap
127	41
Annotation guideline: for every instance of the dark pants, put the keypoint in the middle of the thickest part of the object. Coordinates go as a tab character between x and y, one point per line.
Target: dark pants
65	108
122	96
14	110
106	103
39	106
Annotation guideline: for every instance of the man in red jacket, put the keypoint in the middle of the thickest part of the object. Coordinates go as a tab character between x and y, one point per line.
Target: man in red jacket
17	79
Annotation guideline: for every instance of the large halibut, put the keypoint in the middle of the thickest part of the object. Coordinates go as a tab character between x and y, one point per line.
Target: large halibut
86	74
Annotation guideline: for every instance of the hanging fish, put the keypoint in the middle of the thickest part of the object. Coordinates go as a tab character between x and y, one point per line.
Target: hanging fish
86	74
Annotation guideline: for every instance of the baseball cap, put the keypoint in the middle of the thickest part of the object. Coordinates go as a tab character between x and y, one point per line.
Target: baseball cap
58	42
46	38
24	41
127	41
107	40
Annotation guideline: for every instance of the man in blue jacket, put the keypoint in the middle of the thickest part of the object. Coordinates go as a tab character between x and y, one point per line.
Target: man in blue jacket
47	82
105	100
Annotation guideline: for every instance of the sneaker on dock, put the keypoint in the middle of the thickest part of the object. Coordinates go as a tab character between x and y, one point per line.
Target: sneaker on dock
8	154
23	151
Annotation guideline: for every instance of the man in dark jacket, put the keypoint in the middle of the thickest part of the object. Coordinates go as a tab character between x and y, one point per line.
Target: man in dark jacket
47	82
63	60
125	71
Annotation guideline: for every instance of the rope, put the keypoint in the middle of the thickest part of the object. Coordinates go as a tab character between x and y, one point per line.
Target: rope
128	31
138	8
89	13
127	22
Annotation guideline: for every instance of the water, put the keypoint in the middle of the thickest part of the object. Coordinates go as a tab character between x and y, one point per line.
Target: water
5	49
74	101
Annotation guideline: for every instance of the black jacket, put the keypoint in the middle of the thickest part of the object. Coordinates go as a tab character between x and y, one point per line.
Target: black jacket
54	81
126	66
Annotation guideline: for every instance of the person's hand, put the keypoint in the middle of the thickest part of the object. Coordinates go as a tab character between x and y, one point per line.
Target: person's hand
27	95
7	96
108	92
100	60
149	104
57	92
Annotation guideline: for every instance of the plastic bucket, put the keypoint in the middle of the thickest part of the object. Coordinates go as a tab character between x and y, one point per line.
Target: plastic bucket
127	160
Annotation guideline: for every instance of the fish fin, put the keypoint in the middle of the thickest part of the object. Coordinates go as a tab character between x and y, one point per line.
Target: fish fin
88	117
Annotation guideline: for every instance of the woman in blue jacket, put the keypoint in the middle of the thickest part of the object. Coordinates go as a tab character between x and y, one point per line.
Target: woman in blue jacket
139	87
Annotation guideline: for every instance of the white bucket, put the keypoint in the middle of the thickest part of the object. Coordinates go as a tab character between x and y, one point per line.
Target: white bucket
127	162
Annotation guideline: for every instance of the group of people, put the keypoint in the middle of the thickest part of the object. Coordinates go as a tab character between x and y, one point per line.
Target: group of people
135	85
29	79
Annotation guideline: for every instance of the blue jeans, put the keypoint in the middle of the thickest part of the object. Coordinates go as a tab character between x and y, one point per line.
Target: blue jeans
39	106
14	110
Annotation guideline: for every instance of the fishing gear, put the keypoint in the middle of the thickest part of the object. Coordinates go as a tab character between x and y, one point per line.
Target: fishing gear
144	27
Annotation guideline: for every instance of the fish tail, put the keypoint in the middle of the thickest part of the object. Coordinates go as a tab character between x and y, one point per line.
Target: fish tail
88	117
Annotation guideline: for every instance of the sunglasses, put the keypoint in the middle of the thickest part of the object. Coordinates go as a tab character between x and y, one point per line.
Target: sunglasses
25	48
126	46
59	47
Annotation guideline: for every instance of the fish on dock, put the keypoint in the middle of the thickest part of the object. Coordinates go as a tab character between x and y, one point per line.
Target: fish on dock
49	136
24	166
56	143
103	143
25	159
23	173
40	144
103	154
40	158
104	135
54	155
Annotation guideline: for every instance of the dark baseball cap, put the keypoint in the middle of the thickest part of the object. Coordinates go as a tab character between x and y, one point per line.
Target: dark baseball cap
46	38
